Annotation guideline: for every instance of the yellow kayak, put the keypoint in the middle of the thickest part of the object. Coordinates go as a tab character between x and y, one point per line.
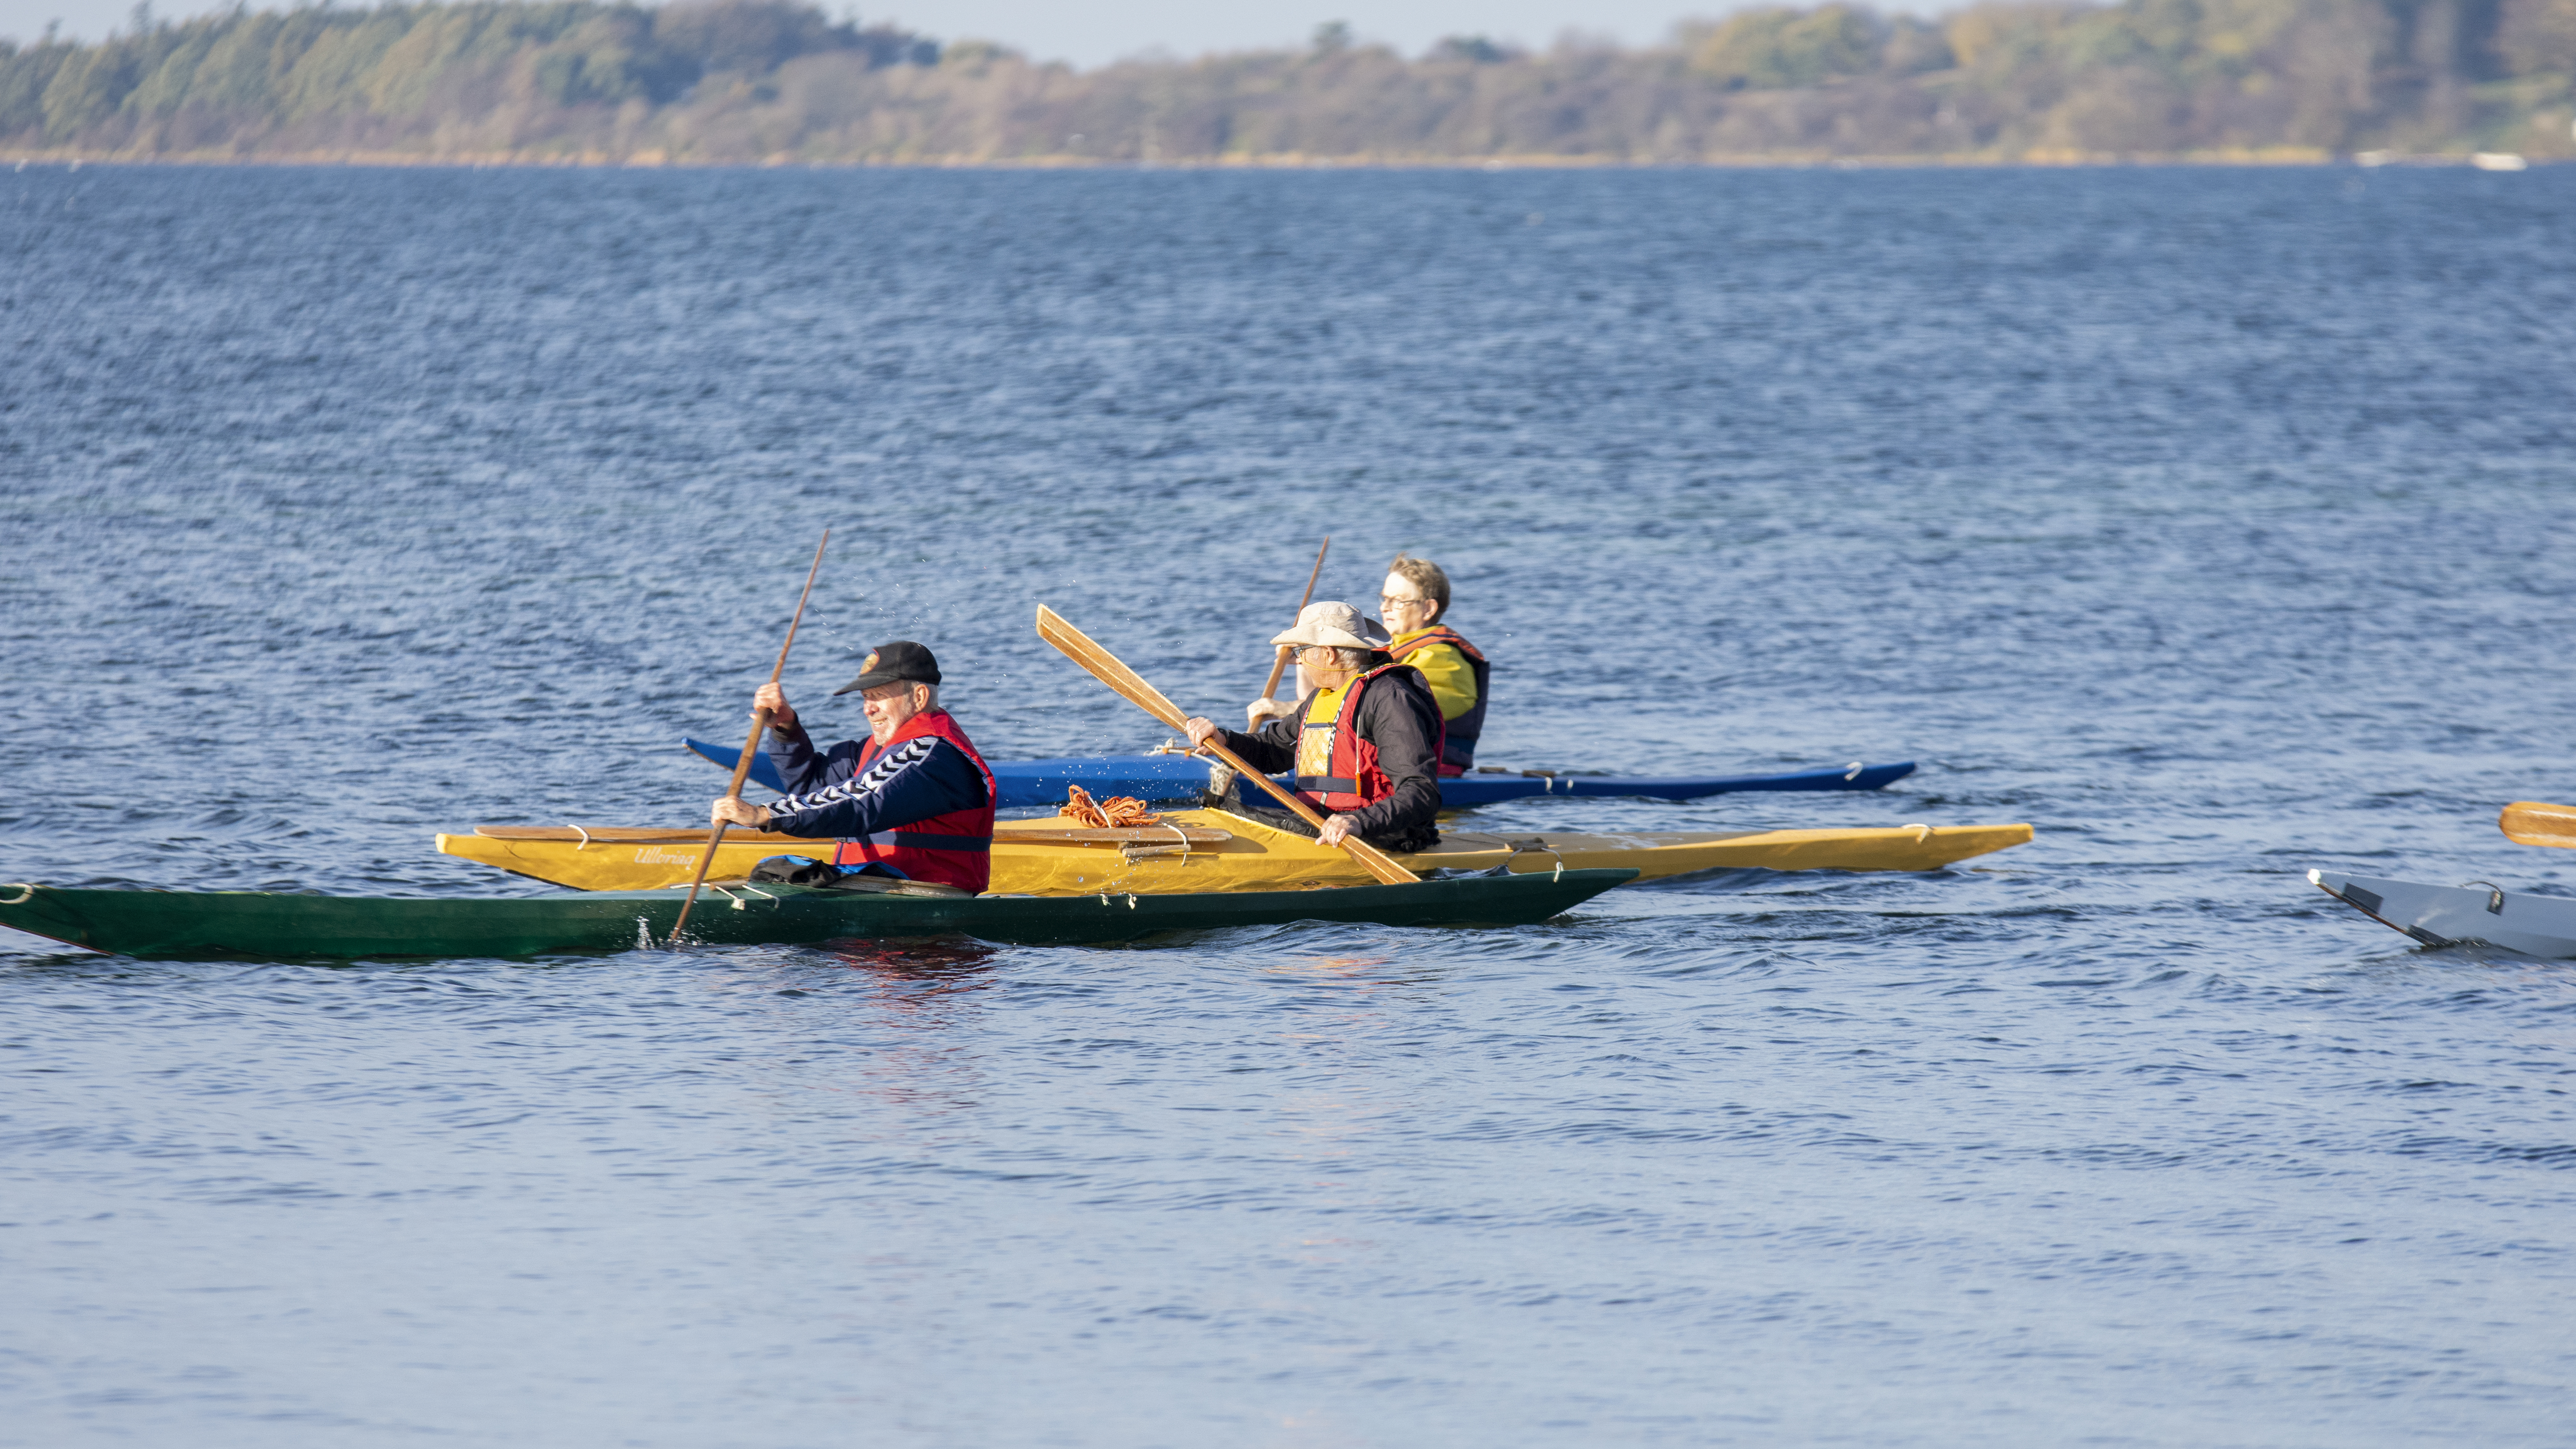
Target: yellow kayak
1211	850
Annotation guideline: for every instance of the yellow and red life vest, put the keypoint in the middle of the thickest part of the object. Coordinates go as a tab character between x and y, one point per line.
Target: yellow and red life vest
955	849
1458	743
1352	779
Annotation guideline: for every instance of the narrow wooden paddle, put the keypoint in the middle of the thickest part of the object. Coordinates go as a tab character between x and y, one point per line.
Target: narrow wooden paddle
759	726
1009	831
2528	822
1107	668
1279	666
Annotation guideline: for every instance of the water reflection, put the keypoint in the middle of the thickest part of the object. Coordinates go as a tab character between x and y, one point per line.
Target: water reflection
961	962
1329	965
1376	967
918	1046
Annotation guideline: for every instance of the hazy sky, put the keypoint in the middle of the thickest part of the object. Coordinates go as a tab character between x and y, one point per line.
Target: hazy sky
1088	35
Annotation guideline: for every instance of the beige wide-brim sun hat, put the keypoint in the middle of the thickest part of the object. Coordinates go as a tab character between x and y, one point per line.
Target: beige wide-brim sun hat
1337	625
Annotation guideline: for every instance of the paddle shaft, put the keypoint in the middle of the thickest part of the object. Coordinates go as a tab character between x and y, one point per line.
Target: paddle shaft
2529	822
759	726
1110	670
1279	666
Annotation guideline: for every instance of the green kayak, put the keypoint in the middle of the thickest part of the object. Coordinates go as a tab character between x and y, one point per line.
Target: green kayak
246	923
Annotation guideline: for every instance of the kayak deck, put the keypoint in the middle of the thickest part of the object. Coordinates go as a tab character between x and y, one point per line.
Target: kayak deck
199	925
1211	850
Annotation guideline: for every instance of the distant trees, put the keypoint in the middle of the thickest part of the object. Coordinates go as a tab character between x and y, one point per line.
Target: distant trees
756	37
751	80
1776	48
1474	49
2536	37
313	74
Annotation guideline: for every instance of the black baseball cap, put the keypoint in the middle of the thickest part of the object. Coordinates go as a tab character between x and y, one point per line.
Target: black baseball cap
899	662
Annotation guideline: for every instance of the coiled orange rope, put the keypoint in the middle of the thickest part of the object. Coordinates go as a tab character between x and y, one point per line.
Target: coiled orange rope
1115	813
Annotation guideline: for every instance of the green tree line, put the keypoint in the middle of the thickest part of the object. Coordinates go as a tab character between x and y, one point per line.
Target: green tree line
733	81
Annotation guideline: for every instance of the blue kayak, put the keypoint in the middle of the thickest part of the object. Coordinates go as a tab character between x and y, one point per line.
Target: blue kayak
1025	783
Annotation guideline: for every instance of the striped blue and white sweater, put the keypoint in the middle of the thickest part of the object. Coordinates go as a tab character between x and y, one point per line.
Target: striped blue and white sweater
830	797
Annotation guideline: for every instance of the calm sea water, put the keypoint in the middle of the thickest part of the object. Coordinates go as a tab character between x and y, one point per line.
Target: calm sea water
2217	523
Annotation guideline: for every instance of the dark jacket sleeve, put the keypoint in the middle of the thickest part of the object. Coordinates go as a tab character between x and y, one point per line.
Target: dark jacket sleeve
1273	748
804	768
913	781
1399	716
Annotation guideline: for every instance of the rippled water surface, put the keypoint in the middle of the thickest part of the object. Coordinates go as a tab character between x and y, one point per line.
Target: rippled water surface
2215	523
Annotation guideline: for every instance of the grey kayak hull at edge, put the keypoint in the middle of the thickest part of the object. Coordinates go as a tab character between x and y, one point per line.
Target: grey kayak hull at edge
2449	915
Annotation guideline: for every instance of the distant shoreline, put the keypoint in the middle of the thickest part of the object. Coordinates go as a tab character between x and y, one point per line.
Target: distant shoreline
737	83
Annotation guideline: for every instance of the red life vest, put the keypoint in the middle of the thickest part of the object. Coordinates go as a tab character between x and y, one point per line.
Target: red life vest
1458	746
1356	781
955	849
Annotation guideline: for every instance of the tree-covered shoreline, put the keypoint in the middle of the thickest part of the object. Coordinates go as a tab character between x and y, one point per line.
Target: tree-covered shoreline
725	82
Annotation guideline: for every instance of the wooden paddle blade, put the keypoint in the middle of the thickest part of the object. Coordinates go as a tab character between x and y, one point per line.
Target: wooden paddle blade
1380	864
715	837
1107	668
2528	822
741	770
627	835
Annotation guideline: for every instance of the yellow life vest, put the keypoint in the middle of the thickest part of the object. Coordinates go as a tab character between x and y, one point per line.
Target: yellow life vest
1315	741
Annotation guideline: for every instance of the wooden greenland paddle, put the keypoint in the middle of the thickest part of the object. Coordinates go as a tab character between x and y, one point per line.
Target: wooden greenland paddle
2528	822
1279	666
1106	668
759	726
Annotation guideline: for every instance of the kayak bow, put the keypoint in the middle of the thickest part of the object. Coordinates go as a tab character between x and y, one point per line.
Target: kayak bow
2437	916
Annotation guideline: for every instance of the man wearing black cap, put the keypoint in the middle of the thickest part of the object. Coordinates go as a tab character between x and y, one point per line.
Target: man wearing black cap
915	801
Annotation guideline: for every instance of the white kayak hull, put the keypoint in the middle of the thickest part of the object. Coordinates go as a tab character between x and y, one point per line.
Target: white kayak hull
2448	915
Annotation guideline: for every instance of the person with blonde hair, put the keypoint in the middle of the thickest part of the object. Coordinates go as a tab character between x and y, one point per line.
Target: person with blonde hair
1414	601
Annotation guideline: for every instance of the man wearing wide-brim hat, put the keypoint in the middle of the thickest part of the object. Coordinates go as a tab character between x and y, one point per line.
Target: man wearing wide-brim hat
914	802
1364	741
